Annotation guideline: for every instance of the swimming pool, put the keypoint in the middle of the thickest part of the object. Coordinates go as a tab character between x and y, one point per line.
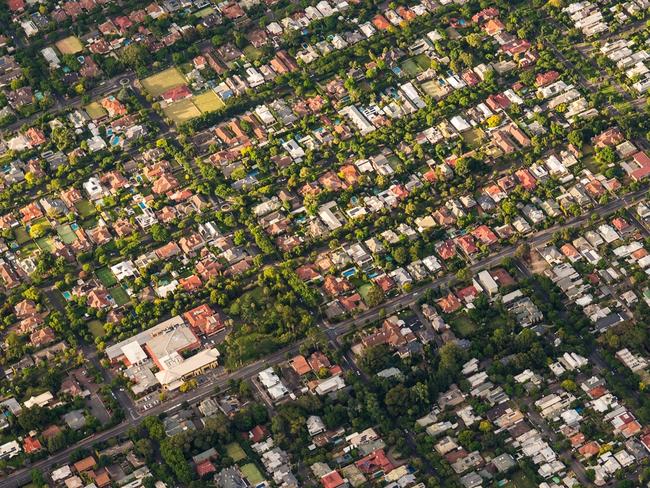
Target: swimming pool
67	295
349	272
74	226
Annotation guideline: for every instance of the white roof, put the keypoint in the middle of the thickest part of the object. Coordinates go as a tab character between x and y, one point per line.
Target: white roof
40	400
134	352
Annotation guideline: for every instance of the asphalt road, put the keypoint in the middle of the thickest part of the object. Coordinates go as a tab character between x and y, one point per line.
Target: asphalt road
60	103
540	238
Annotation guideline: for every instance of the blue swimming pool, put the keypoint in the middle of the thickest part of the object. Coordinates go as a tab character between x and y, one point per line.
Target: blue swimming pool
349	272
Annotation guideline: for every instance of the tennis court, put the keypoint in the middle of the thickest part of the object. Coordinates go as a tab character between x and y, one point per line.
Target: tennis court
235	452
106	277
159	83
251	473
66	233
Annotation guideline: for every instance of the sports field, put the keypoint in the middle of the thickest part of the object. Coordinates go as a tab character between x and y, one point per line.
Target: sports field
161	82
251	473
95	110
235	452
66	233
69	45
182	111
208	101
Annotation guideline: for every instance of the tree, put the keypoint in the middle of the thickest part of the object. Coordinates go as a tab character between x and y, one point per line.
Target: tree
522	251
568	385
159	233
135	55
38	230
606	155
144	447
174	458
493	121
396	399
375	358
37	478
374	296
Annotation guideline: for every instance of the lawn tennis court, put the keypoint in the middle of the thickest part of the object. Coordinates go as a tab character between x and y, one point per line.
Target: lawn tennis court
159	83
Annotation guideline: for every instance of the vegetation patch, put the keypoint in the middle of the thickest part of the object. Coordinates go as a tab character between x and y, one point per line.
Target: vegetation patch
204	12
85	208
96	328
474	137
463	325
252	53
22	236
66	233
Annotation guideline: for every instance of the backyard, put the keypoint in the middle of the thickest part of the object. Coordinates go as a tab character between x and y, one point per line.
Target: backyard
119	295
106	277
462	325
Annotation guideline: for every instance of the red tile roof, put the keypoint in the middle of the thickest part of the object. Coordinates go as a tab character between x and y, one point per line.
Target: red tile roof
332	480
374	462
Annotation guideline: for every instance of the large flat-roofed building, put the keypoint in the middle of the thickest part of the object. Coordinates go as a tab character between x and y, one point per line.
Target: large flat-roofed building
117	352
176	374
164	347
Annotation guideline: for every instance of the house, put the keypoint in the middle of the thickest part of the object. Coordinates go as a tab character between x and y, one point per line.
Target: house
332	480
113	106
375	464
300	365
204	320
85	465
176	94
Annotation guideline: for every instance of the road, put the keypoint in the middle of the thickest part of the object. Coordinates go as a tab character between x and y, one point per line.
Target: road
60	104
540	238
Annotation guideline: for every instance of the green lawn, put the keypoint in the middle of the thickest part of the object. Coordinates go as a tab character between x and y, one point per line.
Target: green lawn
119	295
411	68
22	236
474	137
85	208
235	452
520	480
46	244
96	328
423	61
463	325
106	277
252	53
204	12
253	474
363	291
161	82
66	233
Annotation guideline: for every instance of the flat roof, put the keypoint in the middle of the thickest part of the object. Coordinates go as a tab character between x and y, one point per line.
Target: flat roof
115	351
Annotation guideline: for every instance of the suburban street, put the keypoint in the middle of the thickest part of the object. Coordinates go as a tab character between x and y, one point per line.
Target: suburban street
334	331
